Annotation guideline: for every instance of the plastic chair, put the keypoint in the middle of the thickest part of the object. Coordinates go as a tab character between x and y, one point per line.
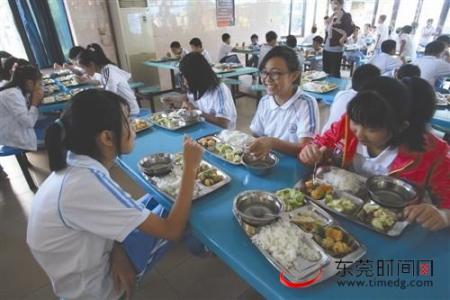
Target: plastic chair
23	163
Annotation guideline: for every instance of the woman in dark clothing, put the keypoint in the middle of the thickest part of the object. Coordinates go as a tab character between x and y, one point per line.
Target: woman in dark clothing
336	33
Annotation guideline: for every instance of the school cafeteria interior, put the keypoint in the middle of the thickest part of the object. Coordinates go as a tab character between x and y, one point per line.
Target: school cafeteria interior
227	149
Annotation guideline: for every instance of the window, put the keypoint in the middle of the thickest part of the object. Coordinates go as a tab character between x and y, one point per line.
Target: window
297	17
10	40
361	11
385	8
406	12
59	16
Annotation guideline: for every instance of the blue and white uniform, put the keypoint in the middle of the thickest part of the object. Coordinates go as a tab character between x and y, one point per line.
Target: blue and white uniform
218	102
76	216
295	119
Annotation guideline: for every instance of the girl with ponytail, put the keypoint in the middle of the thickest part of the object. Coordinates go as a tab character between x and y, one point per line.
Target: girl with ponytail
93	60
80	216
19	101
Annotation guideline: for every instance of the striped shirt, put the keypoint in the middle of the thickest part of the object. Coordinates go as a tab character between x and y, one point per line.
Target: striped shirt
76	216
295	119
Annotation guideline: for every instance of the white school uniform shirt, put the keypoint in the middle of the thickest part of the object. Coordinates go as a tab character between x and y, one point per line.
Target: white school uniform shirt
115	80
409	50
339	107
431	68
295	119
426	35
3	82
17	120
263	51
386	63
309	39
76	216
218	102
383	31
368	166
224	50
207	56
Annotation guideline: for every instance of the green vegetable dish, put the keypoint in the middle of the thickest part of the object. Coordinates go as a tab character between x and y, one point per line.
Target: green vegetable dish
341	205
292	198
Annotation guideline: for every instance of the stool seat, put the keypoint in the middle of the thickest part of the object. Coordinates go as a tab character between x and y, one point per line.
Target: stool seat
149	90
136	84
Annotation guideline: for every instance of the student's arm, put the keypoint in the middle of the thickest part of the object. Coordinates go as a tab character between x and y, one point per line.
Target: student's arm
17	106
222	122
443	69
262	146
402	47
172	227
122	271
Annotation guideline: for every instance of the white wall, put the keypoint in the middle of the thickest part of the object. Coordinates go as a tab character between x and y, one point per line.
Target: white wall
182	20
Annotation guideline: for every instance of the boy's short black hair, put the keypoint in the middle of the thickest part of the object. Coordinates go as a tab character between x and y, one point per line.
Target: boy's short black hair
175	44
271	36
254	36
291	41
434	48
225	37
364	74
445	38
314	29
388	46
407	29
318	39
408	70
196	42
75	51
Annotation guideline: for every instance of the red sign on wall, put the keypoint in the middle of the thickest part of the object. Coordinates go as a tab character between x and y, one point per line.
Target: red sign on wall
225	13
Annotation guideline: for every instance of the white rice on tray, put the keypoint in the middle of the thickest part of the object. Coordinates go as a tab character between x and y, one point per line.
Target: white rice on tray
283	240
343	180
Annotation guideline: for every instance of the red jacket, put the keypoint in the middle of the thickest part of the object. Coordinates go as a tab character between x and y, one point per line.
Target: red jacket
428	170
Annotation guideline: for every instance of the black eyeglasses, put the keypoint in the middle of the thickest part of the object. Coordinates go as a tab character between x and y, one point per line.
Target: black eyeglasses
273	75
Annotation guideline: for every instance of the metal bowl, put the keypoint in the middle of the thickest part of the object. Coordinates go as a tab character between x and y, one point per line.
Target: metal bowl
257	166
190	115
252	207
391	192
158	164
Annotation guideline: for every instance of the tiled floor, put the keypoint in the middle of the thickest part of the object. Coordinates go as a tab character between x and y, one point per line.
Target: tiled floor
178	276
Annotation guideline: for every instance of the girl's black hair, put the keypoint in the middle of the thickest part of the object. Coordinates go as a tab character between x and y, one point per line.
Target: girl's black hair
8	64
423	106
287	54
383	103
20	75
90	112
3	56
93	54
75	51
199	74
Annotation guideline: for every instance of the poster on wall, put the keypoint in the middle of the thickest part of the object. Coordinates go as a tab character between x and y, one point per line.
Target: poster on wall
225	13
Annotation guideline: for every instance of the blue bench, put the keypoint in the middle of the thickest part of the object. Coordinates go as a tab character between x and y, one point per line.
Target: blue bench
23	163
147	92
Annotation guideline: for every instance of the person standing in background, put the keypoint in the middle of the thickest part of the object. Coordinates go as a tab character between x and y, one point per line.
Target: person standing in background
340	27
407	50
309	39
271	41
382	32
427	33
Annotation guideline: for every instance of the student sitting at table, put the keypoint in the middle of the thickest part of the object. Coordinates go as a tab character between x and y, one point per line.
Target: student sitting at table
271	41
197	46
19	101
206	92
72	64
308	40
9	65
431	65
225	48
80	215
407	70
93	60
253	61
385	133
314	56
446	40
286	117
176	51
361	76
291	42
386	61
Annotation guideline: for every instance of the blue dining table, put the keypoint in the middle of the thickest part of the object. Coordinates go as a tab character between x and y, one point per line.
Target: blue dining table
441	120
328	98
212	221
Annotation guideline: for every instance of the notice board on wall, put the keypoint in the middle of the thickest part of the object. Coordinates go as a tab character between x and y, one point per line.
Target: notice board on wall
225	13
